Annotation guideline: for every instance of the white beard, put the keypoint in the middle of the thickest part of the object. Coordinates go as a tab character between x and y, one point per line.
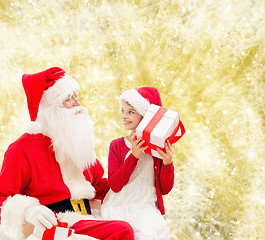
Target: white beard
71	132
72	135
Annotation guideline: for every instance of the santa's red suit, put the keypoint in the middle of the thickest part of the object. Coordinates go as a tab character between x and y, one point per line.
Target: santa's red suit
31	176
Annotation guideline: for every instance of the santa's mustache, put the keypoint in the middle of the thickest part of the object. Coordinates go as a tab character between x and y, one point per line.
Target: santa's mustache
76	110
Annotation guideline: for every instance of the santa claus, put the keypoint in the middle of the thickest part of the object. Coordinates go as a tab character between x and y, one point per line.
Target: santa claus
53	167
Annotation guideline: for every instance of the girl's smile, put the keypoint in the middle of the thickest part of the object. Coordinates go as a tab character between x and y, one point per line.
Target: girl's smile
129	116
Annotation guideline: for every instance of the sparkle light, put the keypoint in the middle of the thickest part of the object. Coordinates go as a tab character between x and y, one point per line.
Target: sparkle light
207	60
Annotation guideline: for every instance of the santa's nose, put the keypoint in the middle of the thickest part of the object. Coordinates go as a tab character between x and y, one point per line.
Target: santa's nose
75	101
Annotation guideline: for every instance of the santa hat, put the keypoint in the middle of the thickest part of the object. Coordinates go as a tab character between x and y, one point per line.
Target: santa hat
50	86
141	98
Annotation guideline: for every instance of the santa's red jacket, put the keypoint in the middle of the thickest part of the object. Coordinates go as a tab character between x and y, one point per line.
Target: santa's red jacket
31	174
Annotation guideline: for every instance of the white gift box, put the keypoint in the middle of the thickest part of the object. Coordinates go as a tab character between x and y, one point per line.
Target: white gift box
157	126
55	233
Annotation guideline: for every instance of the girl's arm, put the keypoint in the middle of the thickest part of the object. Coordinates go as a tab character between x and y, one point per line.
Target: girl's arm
166	173
166	178
119	171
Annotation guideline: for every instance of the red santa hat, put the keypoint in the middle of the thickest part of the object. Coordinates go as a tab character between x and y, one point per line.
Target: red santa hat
141	98
50	86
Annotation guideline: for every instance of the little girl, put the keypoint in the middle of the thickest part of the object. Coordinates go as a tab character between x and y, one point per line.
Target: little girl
138	180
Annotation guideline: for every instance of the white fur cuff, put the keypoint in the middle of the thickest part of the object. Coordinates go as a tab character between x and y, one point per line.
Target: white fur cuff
13	215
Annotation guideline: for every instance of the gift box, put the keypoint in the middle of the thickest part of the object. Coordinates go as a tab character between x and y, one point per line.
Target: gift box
59	232
157	126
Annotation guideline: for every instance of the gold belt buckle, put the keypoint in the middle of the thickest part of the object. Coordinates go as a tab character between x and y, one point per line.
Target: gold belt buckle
79	206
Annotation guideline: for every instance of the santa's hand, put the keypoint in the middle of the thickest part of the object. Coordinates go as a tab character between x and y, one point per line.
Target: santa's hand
41	216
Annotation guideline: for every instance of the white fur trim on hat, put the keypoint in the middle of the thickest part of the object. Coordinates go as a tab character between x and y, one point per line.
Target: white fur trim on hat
135	99
57	94
13	215
60	91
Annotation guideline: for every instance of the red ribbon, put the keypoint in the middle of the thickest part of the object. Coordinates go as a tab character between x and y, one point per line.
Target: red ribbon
50	233
59	223
150	126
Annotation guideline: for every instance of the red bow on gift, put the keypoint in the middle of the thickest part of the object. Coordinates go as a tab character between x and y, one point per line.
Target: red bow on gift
59	223
50	233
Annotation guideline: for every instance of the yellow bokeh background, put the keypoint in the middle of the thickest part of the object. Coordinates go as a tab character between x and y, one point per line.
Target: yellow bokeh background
206	57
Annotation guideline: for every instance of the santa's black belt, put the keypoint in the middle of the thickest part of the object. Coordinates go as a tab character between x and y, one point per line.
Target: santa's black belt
81	206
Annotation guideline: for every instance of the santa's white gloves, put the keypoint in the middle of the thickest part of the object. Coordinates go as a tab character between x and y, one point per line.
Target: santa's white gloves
41	216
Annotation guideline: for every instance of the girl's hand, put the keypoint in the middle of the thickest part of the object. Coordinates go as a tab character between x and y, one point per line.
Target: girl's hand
167	155
137	148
